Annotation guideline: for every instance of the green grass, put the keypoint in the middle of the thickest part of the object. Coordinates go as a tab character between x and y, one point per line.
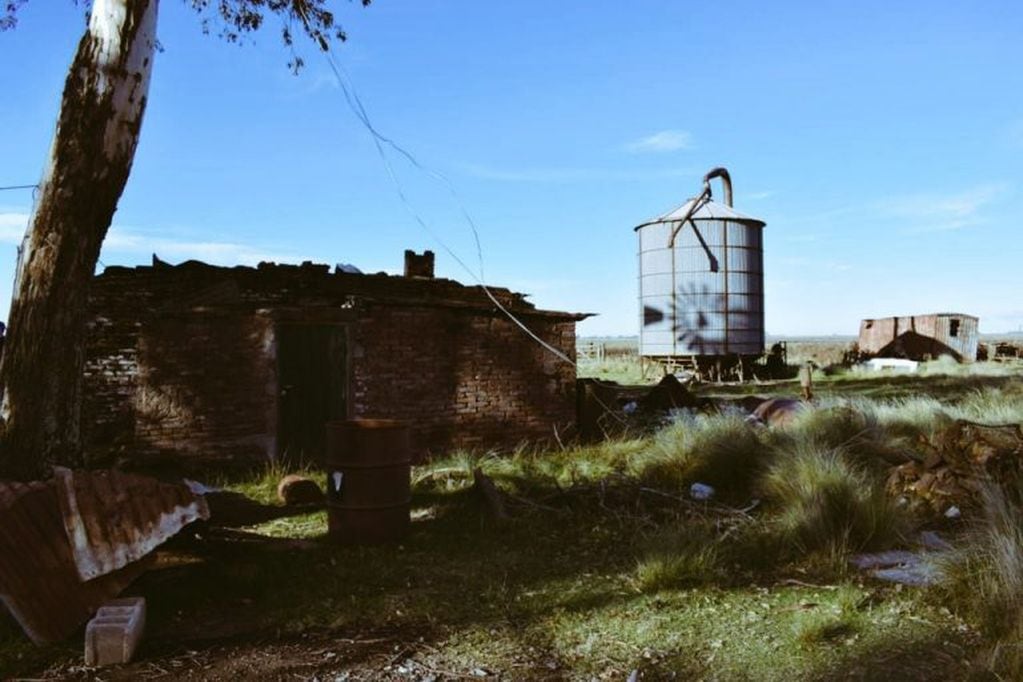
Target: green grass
825	502
984	578
681	556
839	618
606	566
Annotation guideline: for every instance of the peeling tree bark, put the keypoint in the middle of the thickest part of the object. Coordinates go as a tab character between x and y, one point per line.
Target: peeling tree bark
90	159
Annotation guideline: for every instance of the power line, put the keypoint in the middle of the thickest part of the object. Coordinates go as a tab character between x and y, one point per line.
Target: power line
355	104
13	187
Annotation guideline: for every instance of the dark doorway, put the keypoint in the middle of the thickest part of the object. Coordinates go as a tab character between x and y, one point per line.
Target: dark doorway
313	387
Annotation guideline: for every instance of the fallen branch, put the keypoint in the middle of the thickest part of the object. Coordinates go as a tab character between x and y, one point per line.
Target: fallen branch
800	583
704	506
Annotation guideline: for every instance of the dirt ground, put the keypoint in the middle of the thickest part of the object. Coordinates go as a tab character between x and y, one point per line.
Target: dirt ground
404	655
313	655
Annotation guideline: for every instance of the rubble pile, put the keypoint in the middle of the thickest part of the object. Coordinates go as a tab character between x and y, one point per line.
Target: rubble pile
957	464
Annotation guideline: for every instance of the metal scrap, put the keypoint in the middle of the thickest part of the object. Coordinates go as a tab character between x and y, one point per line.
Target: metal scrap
70	544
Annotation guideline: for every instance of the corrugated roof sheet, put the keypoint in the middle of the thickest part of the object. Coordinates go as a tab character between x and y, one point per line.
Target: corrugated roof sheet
113	518
117	518
709	211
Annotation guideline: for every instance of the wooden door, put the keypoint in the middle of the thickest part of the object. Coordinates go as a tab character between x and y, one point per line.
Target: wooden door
312	378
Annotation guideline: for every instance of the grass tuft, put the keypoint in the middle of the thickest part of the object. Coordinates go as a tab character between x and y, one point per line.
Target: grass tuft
984	578
680	557
838	620
721	451
823	501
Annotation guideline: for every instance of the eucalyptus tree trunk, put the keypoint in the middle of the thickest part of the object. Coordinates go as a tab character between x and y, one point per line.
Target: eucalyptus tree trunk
88	165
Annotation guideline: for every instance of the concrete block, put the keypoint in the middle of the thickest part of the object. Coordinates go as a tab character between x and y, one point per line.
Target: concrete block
114	633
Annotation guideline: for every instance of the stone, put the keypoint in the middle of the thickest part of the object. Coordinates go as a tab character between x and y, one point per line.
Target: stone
113	635
295	489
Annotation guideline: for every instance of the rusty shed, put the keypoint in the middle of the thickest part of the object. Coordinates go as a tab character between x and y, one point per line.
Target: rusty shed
223	366
921	337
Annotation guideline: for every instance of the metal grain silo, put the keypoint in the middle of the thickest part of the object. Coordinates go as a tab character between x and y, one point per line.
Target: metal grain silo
701	286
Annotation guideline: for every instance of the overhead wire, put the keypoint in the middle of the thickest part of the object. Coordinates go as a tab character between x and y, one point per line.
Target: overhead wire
355	104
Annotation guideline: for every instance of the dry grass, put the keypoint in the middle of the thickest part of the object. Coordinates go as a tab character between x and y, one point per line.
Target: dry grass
825	502
984	579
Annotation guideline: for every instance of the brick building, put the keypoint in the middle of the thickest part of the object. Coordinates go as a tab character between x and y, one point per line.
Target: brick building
215	366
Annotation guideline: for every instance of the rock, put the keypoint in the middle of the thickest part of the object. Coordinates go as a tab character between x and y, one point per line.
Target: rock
295	489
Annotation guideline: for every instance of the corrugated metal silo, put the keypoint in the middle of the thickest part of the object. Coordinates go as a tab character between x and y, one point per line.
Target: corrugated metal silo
701	282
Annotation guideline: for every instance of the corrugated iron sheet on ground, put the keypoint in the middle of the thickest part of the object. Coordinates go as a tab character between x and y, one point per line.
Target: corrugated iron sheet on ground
113	518
118	516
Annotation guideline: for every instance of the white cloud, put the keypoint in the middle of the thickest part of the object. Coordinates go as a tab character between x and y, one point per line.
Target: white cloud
12	227
123	242
663	141
568	175
931	212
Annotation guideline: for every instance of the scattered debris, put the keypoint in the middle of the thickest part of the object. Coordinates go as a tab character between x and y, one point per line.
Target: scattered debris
606	408
294	489
701	491
669	394
893	364
930	539
955	466
898	566
113	518
69	544
777	411
1007	350
113	635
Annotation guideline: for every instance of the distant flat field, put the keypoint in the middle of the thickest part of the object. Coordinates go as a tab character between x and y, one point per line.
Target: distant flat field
620	361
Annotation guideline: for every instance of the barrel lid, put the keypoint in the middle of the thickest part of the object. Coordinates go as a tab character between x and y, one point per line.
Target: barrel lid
710	210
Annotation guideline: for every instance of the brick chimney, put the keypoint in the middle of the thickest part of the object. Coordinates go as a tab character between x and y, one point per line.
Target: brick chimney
419	265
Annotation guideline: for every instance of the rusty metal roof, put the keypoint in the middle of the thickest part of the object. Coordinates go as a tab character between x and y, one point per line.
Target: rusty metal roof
115	518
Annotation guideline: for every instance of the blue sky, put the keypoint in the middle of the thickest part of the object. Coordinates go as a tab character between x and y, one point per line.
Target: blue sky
881	142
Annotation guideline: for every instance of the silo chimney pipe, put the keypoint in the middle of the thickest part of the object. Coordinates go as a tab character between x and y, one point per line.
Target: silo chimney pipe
726	183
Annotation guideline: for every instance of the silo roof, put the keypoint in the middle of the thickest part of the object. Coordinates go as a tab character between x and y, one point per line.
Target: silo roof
709	211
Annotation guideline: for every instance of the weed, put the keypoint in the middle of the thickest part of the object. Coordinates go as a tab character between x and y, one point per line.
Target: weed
823	501
833	621
721	451
678	557
984	579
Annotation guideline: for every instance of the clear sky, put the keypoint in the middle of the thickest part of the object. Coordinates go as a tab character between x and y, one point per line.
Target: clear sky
881	142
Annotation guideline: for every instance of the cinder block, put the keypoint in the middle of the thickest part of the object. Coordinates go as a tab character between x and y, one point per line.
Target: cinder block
114	633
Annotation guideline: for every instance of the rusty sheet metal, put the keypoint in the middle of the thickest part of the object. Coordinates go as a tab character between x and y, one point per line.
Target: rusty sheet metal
39	582
113	518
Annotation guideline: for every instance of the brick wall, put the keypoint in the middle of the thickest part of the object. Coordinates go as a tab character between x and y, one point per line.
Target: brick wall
463	379
184	368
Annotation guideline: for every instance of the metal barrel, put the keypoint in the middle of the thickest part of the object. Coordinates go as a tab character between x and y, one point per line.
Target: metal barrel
368	480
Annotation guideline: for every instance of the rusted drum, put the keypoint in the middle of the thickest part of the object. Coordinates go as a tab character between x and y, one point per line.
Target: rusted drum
368	487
